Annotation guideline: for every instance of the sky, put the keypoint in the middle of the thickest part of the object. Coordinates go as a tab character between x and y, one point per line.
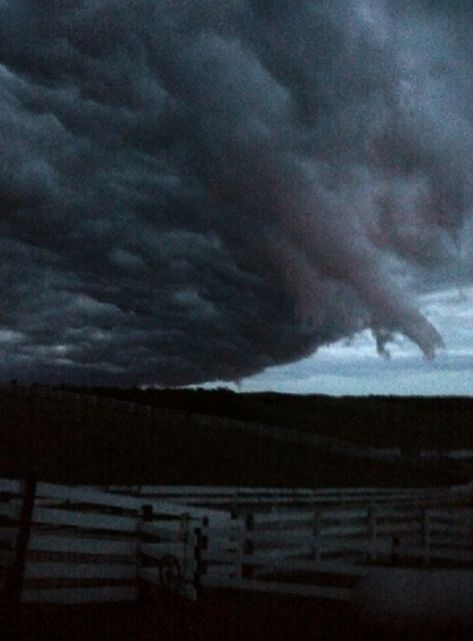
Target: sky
268	194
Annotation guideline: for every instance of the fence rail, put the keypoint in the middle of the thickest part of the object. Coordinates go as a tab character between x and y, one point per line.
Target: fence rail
85	544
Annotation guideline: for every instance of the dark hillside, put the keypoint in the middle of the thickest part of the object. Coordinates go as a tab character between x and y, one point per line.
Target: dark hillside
80	443
404	422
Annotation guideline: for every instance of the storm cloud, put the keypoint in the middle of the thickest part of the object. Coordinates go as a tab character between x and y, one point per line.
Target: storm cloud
198	190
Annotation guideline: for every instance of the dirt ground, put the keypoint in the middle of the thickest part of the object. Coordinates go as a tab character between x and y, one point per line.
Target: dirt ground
216	616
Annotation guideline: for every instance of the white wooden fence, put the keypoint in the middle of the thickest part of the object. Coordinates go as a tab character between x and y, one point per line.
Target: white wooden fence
84	545
265	498
87	545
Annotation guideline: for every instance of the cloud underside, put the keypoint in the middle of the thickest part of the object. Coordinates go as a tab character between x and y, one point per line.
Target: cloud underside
192	191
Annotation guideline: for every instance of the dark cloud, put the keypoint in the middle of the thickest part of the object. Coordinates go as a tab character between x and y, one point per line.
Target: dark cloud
199	190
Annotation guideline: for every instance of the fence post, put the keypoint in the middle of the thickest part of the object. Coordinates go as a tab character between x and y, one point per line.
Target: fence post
234	515
14	578
184	537
372	531
248	545
143	587
201	544
426	526
316	551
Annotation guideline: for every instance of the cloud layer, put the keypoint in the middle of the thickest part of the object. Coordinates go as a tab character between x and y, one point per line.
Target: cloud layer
193	191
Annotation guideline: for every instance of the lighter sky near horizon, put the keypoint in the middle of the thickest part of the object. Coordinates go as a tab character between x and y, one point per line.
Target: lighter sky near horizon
354	368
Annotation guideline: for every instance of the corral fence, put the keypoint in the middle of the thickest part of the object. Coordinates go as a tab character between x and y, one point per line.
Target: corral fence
81	544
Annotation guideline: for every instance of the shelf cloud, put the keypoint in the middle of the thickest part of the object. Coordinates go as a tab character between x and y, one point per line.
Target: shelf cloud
192	191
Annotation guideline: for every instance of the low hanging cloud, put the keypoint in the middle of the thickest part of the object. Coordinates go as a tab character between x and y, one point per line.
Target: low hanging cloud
192	191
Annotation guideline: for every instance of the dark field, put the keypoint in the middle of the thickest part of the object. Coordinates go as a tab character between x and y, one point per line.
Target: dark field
76	443
220	615
216	616
405	422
